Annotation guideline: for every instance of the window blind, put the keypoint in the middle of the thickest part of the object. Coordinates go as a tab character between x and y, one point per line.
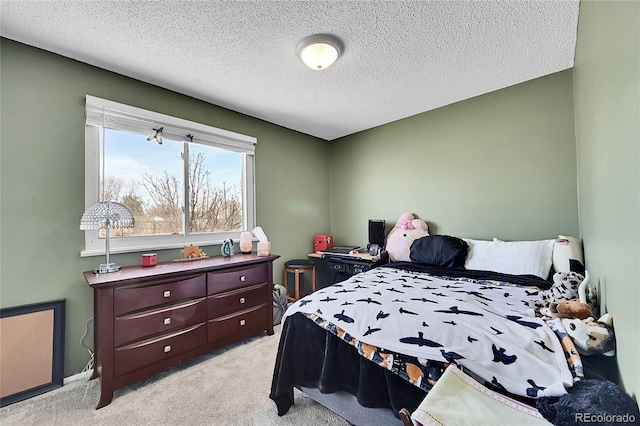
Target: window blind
114	115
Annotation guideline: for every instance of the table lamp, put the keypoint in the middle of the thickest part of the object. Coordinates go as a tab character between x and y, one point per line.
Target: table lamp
107	215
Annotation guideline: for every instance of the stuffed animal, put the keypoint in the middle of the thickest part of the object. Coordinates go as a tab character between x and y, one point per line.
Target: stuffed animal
592	337
567	309
407	229
565	287
590	401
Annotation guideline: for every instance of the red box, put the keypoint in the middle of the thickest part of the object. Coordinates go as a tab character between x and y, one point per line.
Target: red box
149	259
323	242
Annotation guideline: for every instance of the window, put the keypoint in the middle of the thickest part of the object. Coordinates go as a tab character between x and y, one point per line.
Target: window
185	182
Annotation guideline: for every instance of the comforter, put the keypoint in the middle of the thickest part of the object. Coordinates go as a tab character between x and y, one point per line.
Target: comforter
485	324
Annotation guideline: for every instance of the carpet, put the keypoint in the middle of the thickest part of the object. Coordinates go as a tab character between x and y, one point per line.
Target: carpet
229	386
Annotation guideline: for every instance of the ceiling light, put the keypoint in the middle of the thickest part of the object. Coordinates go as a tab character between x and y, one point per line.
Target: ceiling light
319	51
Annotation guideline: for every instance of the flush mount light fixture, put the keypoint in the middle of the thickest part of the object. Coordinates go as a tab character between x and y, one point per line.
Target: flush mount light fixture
320	51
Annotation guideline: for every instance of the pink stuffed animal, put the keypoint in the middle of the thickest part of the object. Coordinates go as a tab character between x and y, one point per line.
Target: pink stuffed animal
407	229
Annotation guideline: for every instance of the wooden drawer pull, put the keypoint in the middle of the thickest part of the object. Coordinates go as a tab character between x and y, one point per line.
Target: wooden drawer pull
167	293
167	348
242	322
242	300
167	321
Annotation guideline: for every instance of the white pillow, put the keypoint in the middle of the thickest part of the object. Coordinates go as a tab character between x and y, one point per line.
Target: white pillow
511	257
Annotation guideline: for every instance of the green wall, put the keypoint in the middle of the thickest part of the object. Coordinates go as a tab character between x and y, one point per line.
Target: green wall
607	98
501	164
498	165
42	179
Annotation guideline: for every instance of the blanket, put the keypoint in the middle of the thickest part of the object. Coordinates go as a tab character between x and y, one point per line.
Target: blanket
311	356
487	327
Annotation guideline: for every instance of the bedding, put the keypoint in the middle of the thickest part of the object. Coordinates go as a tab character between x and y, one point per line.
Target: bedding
511	257
413	319
439	250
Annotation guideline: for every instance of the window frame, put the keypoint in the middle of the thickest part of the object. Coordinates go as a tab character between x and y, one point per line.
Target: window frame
101	112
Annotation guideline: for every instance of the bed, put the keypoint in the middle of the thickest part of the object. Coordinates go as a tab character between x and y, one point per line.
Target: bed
385	336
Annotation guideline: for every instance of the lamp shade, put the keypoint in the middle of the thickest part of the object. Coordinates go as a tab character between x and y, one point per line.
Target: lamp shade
319	51
105	214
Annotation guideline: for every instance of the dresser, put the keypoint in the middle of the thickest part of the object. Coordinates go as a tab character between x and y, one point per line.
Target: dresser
147	319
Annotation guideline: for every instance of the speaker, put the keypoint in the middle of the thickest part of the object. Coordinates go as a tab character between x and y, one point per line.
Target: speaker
377	233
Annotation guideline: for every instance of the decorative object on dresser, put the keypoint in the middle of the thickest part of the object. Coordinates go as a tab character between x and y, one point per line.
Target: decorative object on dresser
246	242
191	252
106	215
227	247
149	259
149	319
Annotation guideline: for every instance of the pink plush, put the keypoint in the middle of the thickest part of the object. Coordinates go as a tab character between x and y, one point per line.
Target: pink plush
407	229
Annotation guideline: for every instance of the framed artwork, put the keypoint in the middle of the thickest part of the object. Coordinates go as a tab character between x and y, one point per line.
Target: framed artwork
31	350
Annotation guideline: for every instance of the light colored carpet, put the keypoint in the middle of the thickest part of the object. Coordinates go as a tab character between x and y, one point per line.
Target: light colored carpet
229	386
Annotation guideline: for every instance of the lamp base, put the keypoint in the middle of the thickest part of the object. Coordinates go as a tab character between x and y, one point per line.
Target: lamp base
105	268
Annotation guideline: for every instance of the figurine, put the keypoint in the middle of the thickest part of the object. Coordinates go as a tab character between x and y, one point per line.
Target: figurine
227	247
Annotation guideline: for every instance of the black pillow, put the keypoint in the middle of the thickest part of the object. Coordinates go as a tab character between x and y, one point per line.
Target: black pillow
439	250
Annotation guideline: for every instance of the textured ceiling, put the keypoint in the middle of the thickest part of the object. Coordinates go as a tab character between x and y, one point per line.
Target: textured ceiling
401	58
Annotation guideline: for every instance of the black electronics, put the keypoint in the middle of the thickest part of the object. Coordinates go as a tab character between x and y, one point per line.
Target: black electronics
344	267
377	236
340	250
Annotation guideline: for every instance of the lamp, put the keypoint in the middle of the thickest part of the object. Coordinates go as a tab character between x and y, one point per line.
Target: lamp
157	135
319	51
107	215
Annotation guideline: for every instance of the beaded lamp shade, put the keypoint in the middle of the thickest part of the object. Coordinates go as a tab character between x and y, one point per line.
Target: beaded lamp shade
107	215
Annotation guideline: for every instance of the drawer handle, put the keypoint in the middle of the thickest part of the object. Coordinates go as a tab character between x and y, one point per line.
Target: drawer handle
242	300
167	348
242	322
242	278
167	321
167	293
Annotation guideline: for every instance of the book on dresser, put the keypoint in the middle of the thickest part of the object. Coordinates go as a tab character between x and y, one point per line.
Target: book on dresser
147	319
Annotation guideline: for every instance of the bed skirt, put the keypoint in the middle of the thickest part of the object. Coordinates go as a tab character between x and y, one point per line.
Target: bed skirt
310	356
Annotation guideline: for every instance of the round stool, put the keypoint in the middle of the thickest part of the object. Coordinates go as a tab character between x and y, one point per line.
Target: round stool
299	267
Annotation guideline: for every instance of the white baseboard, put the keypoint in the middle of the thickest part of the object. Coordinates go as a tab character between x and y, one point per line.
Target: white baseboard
85	375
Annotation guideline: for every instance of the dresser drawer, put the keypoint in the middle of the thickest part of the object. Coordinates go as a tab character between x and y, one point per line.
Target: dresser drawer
139	325
222	327
132	357
130	299
225	280
237	300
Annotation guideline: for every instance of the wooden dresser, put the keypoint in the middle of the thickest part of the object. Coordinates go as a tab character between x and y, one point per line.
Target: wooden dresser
149	319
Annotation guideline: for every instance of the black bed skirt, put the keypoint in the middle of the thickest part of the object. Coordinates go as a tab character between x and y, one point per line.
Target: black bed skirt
313	357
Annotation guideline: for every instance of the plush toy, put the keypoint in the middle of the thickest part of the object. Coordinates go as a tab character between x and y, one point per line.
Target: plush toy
590	401
567	255
407	229
592	337
567	309
565	287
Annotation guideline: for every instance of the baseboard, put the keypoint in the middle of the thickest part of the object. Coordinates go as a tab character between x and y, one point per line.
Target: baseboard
85	375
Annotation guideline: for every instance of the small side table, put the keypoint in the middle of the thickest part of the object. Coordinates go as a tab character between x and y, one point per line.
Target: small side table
299	267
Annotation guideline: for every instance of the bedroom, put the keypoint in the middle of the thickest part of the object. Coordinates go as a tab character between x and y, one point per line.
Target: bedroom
574	191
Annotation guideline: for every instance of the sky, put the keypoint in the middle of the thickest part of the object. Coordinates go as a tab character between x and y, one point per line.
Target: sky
129	156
